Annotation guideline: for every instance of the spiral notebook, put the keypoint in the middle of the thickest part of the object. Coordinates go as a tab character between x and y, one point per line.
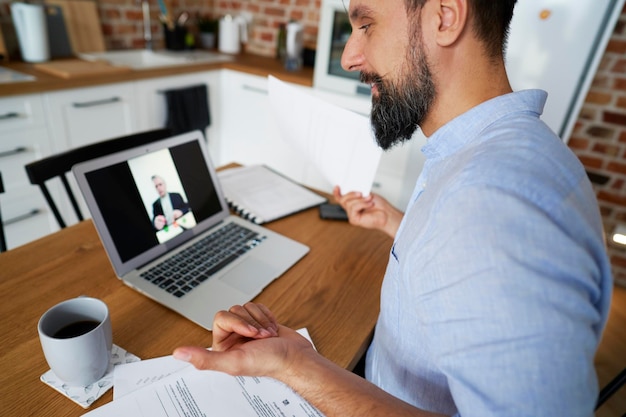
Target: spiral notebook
261	195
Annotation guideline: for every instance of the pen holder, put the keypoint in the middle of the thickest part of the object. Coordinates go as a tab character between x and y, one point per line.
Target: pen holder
175	37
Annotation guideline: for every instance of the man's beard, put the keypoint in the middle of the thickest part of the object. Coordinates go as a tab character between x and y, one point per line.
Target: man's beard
401	106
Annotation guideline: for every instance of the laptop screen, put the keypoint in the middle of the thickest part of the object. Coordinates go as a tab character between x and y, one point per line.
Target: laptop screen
152	197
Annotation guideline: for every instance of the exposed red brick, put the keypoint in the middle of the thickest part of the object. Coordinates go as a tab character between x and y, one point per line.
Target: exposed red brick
578	143
134	15
620	27
612	197
619	83
601	81
620	66
606	149
590	162
297	15
619	261
274	11
616	166
617	46
598	98
616	118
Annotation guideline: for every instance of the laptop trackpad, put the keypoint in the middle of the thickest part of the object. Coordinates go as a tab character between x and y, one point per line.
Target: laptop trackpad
250	276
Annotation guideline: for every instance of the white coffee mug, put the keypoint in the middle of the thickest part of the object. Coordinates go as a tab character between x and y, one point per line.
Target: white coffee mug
76	339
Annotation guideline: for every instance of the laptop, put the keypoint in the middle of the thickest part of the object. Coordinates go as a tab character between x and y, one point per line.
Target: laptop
157	204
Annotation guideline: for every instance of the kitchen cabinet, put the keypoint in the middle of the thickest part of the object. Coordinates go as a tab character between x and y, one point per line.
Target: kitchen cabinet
79	117
152	111
248	133
23	138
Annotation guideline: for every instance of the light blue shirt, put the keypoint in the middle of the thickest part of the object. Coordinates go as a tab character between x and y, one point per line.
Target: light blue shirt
498	283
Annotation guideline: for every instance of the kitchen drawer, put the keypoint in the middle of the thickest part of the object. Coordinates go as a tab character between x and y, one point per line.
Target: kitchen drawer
18	149
21	112
83	116
25	215
24	210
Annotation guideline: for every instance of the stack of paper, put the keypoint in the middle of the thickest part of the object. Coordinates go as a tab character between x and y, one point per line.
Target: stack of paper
340	143
166	387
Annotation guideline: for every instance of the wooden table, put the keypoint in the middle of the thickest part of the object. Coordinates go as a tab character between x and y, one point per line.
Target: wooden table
333	292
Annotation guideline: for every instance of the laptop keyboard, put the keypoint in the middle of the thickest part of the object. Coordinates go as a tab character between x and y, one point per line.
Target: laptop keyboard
180	274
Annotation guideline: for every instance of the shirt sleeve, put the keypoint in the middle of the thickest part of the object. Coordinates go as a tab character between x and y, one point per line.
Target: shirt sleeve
513	307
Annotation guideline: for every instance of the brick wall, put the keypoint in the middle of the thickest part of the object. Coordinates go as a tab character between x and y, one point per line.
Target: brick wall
599	139
122	20
123	28
268	15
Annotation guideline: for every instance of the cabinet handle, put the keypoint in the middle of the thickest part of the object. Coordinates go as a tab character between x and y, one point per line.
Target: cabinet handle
10	115
28	215
18	150
96	102
254	89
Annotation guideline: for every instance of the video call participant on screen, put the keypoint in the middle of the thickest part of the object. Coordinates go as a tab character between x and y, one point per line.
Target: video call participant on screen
168	207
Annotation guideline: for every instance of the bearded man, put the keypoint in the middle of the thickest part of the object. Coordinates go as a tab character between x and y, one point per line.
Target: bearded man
498	283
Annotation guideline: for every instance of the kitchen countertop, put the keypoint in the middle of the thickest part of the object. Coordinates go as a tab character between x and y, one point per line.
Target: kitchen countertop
251	64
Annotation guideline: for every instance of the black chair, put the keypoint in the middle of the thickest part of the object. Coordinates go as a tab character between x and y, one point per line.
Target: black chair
60	164
611	388
3	241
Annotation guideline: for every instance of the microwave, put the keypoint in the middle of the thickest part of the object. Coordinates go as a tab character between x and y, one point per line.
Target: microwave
333	32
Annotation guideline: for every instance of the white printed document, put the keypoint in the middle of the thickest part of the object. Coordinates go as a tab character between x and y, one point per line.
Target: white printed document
191	392
339	142
166	387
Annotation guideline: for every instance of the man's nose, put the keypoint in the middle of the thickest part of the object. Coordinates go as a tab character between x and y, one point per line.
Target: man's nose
352	57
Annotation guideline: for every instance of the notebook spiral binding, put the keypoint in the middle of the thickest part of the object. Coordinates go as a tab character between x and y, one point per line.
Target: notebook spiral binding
245	214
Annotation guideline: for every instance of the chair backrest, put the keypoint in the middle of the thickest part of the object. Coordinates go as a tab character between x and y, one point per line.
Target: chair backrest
3	241
611	388
57	166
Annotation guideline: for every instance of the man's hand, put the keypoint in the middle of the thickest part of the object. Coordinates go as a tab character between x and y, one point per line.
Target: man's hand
159	222
371	212
247	341
177	214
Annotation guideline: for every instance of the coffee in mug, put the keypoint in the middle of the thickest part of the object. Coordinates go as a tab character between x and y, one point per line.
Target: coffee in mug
76	339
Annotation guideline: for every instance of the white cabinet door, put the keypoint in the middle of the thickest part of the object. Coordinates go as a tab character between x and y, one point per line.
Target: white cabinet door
248	132
23	139
79	117
152	109
82	116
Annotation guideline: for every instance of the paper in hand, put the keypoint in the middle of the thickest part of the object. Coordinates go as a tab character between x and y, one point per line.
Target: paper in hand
339	142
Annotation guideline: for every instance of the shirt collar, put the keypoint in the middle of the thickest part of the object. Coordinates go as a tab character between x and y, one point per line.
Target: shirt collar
464	129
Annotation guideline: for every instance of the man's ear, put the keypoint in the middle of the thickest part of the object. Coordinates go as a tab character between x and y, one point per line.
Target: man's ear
453	18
